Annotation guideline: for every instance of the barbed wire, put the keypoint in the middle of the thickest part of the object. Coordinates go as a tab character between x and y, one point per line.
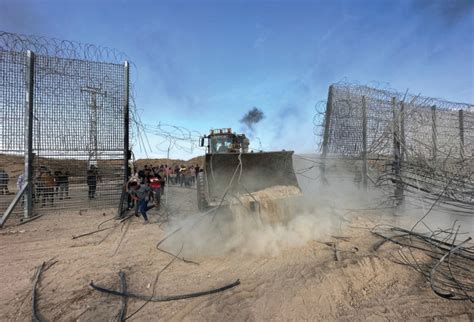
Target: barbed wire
173	137
78	116
53	47
347	117
177	138
430	141
61	55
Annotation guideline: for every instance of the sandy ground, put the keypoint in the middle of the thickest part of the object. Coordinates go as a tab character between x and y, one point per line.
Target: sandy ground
303	282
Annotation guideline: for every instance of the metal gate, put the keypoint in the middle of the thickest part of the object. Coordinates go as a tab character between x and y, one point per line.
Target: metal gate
64	130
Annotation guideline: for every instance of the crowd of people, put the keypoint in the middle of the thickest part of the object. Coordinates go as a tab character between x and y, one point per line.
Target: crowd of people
49	185
147	184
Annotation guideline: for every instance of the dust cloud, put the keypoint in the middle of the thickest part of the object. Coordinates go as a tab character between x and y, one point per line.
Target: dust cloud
282	223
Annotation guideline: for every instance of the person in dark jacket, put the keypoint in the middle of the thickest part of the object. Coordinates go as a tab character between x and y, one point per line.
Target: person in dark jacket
141	194
178	175
92	178
62	184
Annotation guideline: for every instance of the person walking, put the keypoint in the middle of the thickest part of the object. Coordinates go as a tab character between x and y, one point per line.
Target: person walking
62	184
178	175
19	184
141	175
155	186
182	176
21	181
4	179
161	175
141	194
147	174
39	186
196	169
167	173
92	178
192	175
172	175
47	184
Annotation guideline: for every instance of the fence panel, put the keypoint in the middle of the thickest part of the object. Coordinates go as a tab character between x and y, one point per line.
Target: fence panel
78	142
78	126
419	143
12	127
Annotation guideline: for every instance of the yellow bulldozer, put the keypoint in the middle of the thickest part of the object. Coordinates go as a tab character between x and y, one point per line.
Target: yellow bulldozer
231	170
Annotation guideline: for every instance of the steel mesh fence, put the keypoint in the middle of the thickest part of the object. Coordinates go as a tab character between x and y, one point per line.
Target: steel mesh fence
12	129
414	143
420	116
78	126
12	90
78	111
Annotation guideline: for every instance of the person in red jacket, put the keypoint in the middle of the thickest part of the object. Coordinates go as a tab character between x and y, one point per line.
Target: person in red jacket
155	185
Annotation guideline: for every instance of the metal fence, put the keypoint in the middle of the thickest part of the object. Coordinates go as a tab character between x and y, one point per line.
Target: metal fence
68	141
412	142
431	127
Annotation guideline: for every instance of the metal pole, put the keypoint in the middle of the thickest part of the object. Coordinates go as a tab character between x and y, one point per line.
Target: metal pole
434	132
126	122
94	128
327	122
327	127
28	211
396	152
402	133
93	143
461	132
364	142
126	137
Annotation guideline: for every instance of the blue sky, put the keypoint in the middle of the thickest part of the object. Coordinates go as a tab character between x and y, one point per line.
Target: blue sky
204	64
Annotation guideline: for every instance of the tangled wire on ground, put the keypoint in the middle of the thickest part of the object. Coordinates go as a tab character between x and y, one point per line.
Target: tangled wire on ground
448	264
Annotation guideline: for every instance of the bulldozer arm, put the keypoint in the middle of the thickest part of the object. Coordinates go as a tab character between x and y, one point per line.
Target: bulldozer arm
241	173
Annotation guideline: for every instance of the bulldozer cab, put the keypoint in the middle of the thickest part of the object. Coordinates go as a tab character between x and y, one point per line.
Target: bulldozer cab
220	143
225	141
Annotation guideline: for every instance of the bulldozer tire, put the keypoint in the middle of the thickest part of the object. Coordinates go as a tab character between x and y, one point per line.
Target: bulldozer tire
201	192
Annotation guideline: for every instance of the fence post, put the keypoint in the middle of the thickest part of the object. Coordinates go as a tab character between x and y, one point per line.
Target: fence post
434	132
402	133
126	137
461	132
364	143
126	121
396	152
30	75
327	127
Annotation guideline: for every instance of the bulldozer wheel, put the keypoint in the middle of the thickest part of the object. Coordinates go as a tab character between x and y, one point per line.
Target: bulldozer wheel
201	192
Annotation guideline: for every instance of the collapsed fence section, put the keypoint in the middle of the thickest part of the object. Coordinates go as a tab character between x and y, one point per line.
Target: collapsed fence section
68	142
413	143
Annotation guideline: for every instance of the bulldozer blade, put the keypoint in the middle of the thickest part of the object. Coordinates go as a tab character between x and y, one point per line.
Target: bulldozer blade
247	172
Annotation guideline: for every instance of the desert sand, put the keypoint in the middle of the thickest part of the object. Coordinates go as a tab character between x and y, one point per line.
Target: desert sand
286	272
